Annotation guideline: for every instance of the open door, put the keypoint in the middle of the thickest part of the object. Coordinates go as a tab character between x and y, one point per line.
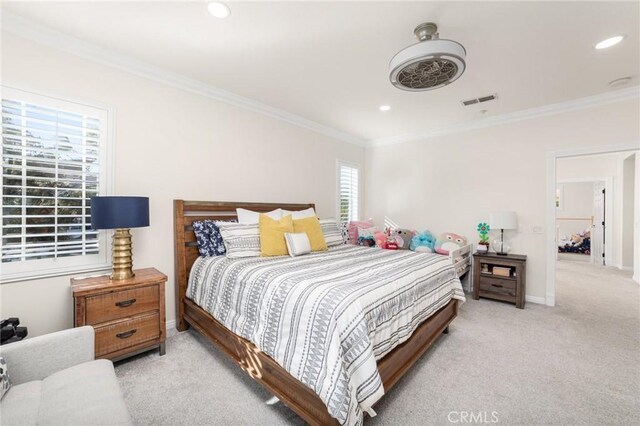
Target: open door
599	224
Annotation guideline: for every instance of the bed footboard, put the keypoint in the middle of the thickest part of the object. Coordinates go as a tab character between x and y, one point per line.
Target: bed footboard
461	260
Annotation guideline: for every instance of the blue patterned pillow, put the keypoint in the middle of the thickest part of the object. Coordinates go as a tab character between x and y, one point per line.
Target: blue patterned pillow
210	242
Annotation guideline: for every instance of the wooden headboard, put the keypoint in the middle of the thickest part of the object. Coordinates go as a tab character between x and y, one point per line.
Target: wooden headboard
186	248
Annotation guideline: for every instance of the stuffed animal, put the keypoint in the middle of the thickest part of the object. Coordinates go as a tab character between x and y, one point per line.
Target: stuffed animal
366	241
366	237
403	237
449	241
381	239
424	242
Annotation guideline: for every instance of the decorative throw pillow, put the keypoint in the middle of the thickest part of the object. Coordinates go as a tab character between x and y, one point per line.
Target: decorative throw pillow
344	231
208	237
311	227
240	239
251	217
300	214
353	226
297	243
5	382
331	232
366	236
272	242
367	232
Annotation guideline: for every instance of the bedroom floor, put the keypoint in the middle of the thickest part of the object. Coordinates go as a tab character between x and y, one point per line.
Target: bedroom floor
577	363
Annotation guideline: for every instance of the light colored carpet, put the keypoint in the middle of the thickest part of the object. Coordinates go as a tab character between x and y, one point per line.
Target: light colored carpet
576	363
574	257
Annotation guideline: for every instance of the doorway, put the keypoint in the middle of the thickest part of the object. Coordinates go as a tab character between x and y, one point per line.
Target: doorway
589	222
608	220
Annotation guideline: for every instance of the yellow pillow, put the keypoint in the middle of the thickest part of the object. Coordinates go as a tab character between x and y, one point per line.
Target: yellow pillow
272	242
311	226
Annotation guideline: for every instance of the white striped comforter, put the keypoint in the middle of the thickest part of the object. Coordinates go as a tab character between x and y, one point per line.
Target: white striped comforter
327	317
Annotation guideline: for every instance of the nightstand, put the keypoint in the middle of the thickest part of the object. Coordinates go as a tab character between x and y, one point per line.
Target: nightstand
500	277
128	315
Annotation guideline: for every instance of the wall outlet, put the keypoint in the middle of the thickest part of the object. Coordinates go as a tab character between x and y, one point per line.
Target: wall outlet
537	229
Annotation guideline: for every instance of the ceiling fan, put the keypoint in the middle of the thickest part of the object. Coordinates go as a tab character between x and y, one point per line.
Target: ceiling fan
429	64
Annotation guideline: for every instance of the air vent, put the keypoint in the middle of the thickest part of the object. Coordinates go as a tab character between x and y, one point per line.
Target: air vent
480	100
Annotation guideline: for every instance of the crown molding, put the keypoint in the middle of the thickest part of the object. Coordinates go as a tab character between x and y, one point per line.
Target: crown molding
41	34
30	30
621	95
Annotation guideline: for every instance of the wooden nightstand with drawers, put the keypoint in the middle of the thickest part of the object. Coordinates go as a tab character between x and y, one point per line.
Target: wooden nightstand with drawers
500	277
128	315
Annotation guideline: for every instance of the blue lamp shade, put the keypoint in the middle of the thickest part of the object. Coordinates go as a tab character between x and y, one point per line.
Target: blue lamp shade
119	212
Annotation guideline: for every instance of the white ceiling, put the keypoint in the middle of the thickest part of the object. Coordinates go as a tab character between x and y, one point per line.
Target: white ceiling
328	61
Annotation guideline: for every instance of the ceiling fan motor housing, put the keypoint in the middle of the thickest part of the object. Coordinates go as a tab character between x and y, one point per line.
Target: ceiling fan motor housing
430	64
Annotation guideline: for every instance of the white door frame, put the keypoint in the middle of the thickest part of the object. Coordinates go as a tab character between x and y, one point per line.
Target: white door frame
552	156
608	211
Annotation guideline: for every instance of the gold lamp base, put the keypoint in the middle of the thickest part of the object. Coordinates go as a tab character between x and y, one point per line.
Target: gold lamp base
122	255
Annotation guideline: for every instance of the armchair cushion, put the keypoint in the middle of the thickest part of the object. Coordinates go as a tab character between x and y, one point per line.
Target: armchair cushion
38	357
21	404
84	394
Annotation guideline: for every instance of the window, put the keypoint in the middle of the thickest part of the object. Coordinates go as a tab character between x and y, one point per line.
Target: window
54	156
348	192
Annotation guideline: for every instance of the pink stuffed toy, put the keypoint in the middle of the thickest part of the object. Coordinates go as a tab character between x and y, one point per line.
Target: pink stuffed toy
449	241
354	226
381	239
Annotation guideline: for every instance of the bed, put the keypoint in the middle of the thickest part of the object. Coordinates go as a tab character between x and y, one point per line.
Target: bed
233	317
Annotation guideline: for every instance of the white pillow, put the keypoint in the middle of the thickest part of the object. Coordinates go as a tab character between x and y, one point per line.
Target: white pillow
331	232
297	243
240	239
300	214
249	216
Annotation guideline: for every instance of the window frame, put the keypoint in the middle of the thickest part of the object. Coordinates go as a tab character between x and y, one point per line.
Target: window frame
357	166
45	268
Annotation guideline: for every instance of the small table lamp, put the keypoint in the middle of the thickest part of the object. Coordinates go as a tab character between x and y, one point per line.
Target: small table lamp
502	221
120	213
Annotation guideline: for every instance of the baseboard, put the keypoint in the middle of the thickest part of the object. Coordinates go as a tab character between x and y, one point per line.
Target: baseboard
535	299
622	268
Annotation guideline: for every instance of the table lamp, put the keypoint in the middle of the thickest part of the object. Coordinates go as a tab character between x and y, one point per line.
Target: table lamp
502	221
120	213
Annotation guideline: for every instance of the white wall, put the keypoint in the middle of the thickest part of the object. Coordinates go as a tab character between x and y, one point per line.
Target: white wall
577	202
169	144
636	226
628	209
452	182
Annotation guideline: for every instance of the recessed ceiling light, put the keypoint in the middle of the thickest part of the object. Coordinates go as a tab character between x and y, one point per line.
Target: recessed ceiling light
219	9
609	42
385	107
619	81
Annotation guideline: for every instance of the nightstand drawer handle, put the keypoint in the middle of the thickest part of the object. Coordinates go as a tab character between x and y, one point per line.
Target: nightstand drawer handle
496	285
125	303
126	334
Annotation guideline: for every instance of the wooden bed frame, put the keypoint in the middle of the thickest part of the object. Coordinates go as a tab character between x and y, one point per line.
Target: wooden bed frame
258	365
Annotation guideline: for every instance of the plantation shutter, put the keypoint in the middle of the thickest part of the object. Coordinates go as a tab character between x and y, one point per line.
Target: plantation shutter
348	187
50	169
